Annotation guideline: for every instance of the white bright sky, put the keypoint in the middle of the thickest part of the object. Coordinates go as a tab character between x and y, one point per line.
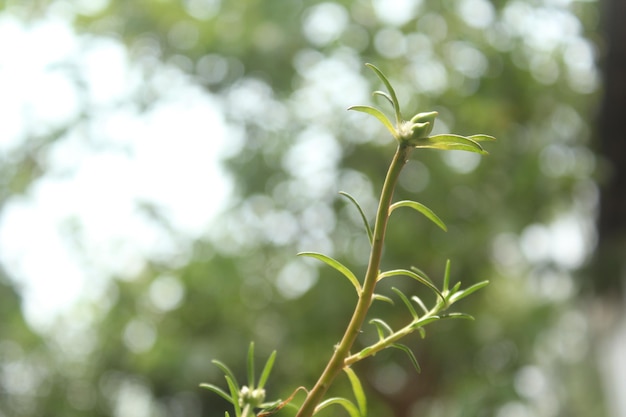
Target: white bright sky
103	167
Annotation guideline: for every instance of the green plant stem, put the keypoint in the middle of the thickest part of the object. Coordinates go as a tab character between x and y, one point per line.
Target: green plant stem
342	351
392	338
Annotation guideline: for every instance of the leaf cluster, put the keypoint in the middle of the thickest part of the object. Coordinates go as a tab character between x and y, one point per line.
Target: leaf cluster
444	297
416	131
244	398
412	134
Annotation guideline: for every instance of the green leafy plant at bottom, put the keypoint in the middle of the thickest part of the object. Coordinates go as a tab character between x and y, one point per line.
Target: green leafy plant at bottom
409	135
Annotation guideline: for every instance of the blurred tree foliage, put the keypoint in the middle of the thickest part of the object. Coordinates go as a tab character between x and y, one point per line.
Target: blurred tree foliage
284	72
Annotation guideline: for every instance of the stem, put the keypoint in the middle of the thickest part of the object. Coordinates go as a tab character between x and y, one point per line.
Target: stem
392	338
342	351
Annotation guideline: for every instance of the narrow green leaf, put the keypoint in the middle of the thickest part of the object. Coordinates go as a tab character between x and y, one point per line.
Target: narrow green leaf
446	277
226	414
336	265
357	389
455	288
410	354
421	273
377	114
385	96
392	93
267	369
218	391
274	407
424	321
453	138
380	326
420	208
234	393
464	293
250	364
422	332
227	372
383	298
270	408
352	410
406	302
365	352
481	138
420	303
457	316
362	213
413	275
450	142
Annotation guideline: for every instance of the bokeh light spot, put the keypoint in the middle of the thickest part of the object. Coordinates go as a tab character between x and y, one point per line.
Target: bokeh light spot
390	43
183	35
324	23
139	335
461	161
476	13
295	279
396	12
166	292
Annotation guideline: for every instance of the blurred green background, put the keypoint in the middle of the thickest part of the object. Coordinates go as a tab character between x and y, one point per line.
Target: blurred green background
163	161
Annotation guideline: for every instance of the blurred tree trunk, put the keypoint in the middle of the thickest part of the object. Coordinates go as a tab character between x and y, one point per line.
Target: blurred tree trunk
611	251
